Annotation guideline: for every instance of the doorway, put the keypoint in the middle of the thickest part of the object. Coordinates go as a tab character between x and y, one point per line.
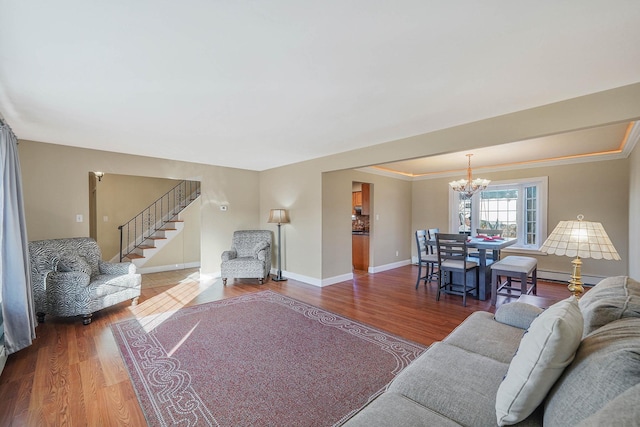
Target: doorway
360	225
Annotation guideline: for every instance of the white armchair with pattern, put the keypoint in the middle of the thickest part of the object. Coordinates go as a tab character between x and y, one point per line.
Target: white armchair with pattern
69	278
249	256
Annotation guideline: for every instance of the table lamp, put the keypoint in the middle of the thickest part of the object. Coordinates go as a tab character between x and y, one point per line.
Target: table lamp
579	239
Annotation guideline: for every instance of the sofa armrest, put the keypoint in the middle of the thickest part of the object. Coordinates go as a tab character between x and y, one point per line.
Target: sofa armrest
262	254
117	268
227	255
63	287
517	314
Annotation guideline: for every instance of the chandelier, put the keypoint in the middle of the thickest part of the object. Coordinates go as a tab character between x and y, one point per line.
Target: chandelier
469	187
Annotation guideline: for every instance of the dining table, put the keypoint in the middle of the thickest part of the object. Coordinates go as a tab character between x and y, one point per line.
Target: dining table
483	245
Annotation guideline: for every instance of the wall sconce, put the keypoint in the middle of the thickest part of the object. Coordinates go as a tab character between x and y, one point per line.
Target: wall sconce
99	175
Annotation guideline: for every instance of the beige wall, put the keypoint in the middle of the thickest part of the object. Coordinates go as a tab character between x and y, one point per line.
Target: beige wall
598	190
634	213
300	188
296	188
119	199
390	221
55	187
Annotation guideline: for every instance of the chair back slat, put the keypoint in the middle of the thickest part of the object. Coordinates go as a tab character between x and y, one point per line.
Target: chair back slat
421	243
451	246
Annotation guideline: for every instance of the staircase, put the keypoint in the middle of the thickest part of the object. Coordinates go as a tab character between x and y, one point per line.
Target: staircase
146	233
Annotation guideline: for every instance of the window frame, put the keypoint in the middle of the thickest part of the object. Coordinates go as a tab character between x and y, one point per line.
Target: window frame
542	185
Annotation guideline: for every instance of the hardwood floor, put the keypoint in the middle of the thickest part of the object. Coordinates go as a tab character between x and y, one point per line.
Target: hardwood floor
73	375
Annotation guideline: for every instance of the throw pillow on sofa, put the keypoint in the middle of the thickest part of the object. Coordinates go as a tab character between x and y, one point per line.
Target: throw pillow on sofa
259	247
517	314
548	346
612	299
73	263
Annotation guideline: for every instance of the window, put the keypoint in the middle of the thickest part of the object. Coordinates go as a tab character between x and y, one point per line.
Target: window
518	207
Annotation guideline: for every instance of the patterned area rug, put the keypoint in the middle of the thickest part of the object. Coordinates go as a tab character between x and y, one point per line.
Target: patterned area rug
261	359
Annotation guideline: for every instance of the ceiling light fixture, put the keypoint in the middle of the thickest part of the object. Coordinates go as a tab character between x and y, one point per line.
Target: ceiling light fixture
469	187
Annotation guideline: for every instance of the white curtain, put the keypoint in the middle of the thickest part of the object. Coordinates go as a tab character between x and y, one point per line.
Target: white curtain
15	279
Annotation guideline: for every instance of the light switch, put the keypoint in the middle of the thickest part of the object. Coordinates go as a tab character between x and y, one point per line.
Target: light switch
105	219
79	218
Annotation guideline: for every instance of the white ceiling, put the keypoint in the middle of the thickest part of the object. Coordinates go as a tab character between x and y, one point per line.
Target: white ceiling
261	84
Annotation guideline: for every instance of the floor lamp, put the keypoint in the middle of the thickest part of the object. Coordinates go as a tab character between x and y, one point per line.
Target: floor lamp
279	216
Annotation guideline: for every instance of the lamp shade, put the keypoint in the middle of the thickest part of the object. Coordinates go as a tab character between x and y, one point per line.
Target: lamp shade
278	216
582	239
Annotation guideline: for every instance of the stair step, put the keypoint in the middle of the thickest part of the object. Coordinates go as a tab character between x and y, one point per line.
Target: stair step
146	247
168	229
133	255
156	238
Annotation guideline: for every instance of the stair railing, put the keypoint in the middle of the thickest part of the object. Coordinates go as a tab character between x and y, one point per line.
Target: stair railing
153	218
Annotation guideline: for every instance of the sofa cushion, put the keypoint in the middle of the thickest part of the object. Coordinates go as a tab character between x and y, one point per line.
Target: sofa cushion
517	314
68	263
393	409
622	410
545	350
606	365
458	384
612	299
481	334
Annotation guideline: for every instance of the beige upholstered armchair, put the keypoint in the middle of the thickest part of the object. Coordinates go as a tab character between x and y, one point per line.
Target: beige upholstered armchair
249	256
69	278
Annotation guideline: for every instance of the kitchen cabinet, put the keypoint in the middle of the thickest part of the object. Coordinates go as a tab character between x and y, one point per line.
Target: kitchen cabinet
360	251
366	199
356	200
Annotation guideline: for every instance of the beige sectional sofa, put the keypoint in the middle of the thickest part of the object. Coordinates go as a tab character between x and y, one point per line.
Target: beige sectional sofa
576	363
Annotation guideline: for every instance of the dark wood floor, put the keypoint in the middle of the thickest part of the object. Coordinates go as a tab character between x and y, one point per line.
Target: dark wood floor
74	375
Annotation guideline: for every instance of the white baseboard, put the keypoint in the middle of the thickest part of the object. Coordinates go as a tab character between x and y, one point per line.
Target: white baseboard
337	279
171	267
313	281
558	276
391	266
343	277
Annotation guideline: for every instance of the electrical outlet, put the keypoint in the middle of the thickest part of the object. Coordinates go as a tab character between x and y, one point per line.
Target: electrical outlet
397	253
79	218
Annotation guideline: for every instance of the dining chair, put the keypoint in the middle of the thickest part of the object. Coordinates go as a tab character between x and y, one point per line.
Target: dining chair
431	242
426	257
453	258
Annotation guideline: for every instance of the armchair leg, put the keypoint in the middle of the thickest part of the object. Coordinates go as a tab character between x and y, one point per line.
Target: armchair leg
86	318
40	315
260	281
134	301
224	282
